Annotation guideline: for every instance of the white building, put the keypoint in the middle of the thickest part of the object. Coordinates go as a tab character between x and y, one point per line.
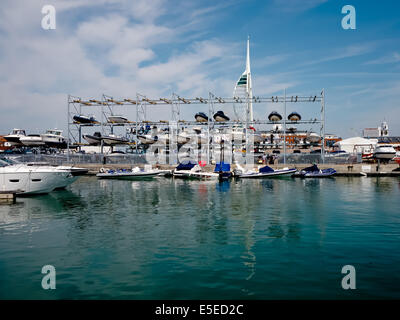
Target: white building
357	145
382	131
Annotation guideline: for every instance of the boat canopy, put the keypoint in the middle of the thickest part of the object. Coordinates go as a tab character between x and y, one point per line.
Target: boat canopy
186	165
266	169
222	166
313	168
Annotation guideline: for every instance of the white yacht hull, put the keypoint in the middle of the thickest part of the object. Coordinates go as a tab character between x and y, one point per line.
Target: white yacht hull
111	141
32	141
384	153
24	180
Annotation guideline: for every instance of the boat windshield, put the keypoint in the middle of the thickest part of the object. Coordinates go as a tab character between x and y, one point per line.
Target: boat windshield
3	163
9	161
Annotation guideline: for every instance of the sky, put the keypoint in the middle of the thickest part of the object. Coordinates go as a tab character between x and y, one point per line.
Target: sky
160	47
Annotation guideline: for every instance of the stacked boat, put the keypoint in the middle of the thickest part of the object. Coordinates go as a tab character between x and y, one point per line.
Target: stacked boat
53	138
83	119
109	140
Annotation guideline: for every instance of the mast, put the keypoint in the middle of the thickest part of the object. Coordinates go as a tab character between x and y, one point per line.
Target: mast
248	87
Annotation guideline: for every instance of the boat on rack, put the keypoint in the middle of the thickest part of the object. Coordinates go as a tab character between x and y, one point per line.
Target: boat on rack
4	144
220	116
117	119
397	157
147	138
112	139
294	116
274	116
384	152
53	138
264	172
201	117
14	137
315	172
313	137
82	119
125	174
94	139
32	140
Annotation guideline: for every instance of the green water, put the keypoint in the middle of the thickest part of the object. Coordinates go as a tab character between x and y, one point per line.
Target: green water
174	239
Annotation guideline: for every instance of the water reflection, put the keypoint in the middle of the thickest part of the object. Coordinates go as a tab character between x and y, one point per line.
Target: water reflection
143	236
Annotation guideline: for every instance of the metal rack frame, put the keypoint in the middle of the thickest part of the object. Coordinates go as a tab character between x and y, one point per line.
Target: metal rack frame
107	103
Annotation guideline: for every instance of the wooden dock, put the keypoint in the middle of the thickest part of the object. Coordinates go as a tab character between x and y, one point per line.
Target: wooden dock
7	197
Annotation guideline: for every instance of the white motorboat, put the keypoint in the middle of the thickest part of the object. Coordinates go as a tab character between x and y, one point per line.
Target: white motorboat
32	140
191	170
14	137
117	119
114	140
264	172
147	138
312	137
184	137
384	152
75	172
23	179
53	138
133	174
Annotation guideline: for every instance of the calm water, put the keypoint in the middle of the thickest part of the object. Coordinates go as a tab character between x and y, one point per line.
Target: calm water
172	239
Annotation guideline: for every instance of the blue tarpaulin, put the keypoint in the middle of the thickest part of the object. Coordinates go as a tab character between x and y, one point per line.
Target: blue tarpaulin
266	169
222	166
186	165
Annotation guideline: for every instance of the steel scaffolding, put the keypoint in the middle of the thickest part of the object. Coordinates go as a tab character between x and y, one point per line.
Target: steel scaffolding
141	103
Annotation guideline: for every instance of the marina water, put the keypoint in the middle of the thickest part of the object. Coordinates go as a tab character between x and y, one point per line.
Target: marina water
174	239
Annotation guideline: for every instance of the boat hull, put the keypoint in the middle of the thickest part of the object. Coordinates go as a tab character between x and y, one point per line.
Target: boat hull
261	175
128	175
325	173
27	182
13	140
113	141
384	155
193	175
116	119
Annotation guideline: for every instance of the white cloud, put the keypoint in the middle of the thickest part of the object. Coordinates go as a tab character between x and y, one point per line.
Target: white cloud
394	57
296	6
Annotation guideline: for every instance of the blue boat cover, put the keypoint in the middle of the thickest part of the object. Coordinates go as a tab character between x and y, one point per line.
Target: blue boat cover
266	169
186	165
222	166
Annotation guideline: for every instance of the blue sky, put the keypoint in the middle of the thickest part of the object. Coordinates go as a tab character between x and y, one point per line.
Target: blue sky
192	47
